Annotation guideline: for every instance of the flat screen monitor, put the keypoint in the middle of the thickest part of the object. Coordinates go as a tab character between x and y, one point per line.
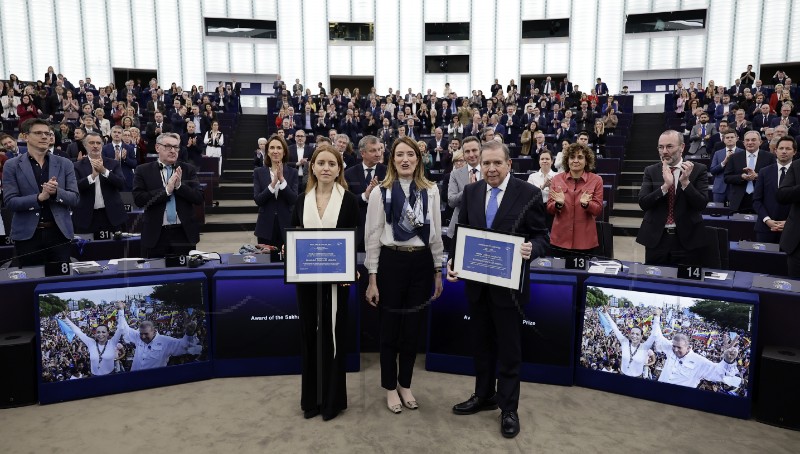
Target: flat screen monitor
685	345
548	325
114	335
257	325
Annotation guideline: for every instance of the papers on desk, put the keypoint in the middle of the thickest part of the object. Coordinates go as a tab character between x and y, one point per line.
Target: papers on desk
608	267
83	264
131	259
715	275
206	255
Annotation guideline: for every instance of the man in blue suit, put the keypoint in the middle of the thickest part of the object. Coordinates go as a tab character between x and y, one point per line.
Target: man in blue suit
40	189
98	209
787	120
122	153
742	170
505	204
771	214
718	163
601	88
363	177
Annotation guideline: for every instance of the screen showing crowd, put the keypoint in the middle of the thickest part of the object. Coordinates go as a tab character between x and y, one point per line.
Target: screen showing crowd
120	330
685	341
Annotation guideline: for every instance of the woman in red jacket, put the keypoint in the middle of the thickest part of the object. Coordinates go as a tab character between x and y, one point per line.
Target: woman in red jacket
27	110
576	199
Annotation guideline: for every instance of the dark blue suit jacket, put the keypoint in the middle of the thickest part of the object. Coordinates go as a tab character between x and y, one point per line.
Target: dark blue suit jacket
270	206
128	164
110	187
354	176
521	211
737	187
765	198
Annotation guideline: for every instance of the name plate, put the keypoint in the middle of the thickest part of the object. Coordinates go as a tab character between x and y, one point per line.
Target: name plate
694	273
554	263
777	283
104	235
744	217
6	240
576	262
755	246
57	269
128	207
175	261
639	269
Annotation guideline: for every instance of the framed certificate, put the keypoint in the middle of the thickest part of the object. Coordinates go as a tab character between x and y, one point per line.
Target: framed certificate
488	257
320	255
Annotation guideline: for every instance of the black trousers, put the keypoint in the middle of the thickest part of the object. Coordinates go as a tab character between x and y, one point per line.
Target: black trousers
46	245
497	350
329	373
669	251
172	241
405	281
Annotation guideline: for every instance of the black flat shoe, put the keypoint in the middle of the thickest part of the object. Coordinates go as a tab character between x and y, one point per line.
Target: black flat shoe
330	416
475	404
509	424
308	414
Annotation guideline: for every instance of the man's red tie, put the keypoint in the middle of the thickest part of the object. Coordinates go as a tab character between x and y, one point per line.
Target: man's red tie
671	202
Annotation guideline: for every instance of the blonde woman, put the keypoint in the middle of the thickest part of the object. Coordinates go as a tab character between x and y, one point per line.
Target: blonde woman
404	248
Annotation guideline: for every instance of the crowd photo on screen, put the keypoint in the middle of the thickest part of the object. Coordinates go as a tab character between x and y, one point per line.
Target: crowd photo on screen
699	343
119	330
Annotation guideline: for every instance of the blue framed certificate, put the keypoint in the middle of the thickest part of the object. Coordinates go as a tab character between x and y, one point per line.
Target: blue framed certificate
320	255
488	257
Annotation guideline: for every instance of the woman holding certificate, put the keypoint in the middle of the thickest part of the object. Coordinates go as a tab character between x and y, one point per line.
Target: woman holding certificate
326	204
575	200
403	236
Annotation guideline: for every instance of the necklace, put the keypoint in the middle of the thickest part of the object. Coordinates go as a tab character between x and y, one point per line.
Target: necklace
631	353
99	352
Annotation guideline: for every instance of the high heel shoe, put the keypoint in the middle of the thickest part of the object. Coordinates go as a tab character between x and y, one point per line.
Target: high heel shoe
411	404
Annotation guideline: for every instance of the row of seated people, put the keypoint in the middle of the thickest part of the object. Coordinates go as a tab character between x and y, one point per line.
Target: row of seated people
420	121
705	137
18	104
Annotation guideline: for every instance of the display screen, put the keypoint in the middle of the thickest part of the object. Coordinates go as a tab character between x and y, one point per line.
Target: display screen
114	335
702	341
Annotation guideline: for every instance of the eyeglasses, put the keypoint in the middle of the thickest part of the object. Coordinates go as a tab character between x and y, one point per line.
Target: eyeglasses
170	147
41	133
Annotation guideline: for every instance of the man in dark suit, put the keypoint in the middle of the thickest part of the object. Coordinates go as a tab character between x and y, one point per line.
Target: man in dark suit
601	88
763	120
789	194
787	120
40	189
437	147
742	170
673	195
496	313
192	145
154	105
98	209
168	191
300	154
123	154
548	85
365	176
565	87
156	128
771	214
720	159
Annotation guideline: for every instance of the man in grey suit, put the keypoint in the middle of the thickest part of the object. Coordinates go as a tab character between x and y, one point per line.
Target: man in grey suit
459	178
701	133
40	189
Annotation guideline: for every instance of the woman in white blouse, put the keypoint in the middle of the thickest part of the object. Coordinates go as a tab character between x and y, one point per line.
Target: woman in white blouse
633	352
214	141
404	248
103	348
541	178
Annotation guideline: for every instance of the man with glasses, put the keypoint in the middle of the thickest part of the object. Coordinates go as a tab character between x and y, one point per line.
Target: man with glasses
673	196
41	227
167	190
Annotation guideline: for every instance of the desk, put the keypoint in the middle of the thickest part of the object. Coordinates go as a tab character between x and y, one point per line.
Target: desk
93	250
761	262
737	230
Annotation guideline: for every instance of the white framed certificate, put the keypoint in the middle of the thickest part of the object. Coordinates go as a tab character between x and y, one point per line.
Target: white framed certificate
320	256
488	257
